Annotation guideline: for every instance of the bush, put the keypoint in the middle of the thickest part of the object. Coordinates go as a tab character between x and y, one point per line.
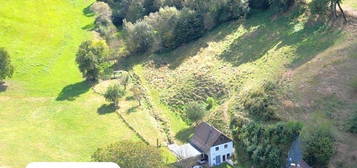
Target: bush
195	111
261	104
319	6
130	155
319	148
352	123
6	68
114	93
265	145
103	23
90	56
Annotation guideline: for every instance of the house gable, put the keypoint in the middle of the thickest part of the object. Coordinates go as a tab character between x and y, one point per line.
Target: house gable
207	136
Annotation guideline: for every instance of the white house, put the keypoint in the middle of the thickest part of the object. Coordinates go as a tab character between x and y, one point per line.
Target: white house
215	147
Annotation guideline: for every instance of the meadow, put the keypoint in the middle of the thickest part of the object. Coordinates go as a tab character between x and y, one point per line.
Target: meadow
47	111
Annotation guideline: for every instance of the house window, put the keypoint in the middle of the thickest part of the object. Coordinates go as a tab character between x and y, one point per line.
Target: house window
217	148
228	156
225	146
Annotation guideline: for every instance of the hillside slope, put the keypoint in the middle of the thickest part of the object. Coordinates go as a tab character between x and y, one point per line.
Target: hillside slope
242	55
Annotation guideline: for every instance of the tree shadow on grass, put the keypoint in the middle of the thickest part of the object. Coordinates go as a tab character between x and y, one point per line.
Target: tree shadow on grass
106	109
185	134
89	27
309	38
72	91
132	109
3	87
87	11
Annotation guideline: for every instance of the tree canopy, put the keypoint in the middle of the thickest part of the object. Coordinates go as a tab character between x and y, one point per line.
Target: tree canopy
6	68
114	93
90	57
129	154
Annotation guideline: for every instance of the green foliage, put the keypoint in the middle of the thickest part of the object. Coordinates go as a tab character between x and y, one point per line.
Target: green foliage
139	37
6	68
138	93
103	22
210	103
259	4
196	89
265	145
114	93
281	5
319	6
352	123
195	111
189	27
261	103
319	148
170	27
130	155
89	57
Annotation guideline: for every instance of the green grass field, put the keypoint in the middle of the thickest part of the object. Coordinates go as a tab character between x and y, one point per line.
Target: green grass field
47	112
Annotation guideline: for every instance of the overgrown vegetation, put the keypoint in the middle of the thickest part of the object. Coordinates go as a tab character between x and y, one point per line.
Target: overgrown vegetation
352	123
196	89
261	103
195	111
319	148
6	67
264	145
129	154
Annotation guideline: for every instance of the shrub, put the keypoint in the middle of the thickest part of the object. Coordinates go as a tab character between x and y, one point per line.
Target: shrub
90	56
195	111
130	155
103	22
265	145
261	103
6	68
319	148
319	6
114	93
352	123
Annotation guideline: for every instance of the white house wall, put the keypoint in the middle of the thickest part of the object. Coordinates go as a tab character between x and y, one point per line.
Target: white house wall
222	151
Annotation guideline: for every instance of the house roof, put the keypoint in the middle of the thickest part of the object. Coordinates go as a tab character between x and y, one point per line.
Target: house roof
207	136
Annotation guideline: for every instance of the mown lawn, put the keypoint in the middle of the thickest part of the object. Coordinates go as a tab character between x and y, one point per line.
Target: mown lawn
47	112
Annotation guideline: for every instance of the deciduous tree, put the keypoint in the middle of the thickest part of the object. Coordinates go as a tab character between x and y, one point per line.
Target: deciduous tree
90	56
6	68
114	93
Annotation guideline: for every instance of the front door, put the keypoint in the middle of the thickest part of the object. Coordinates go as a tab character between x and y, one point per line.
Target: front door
218	160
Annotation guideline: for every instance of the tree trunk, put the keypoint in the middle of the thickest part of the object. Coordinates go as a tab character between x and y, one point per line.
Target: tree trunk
343	13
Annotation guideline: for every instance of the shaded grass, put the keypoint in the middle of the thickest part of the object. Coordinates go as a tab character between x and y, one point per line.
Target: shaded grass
72	91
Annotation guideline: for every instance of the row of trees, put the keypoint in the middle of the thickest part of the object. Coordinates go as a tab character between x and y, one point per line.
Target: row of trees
264	145
170	27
